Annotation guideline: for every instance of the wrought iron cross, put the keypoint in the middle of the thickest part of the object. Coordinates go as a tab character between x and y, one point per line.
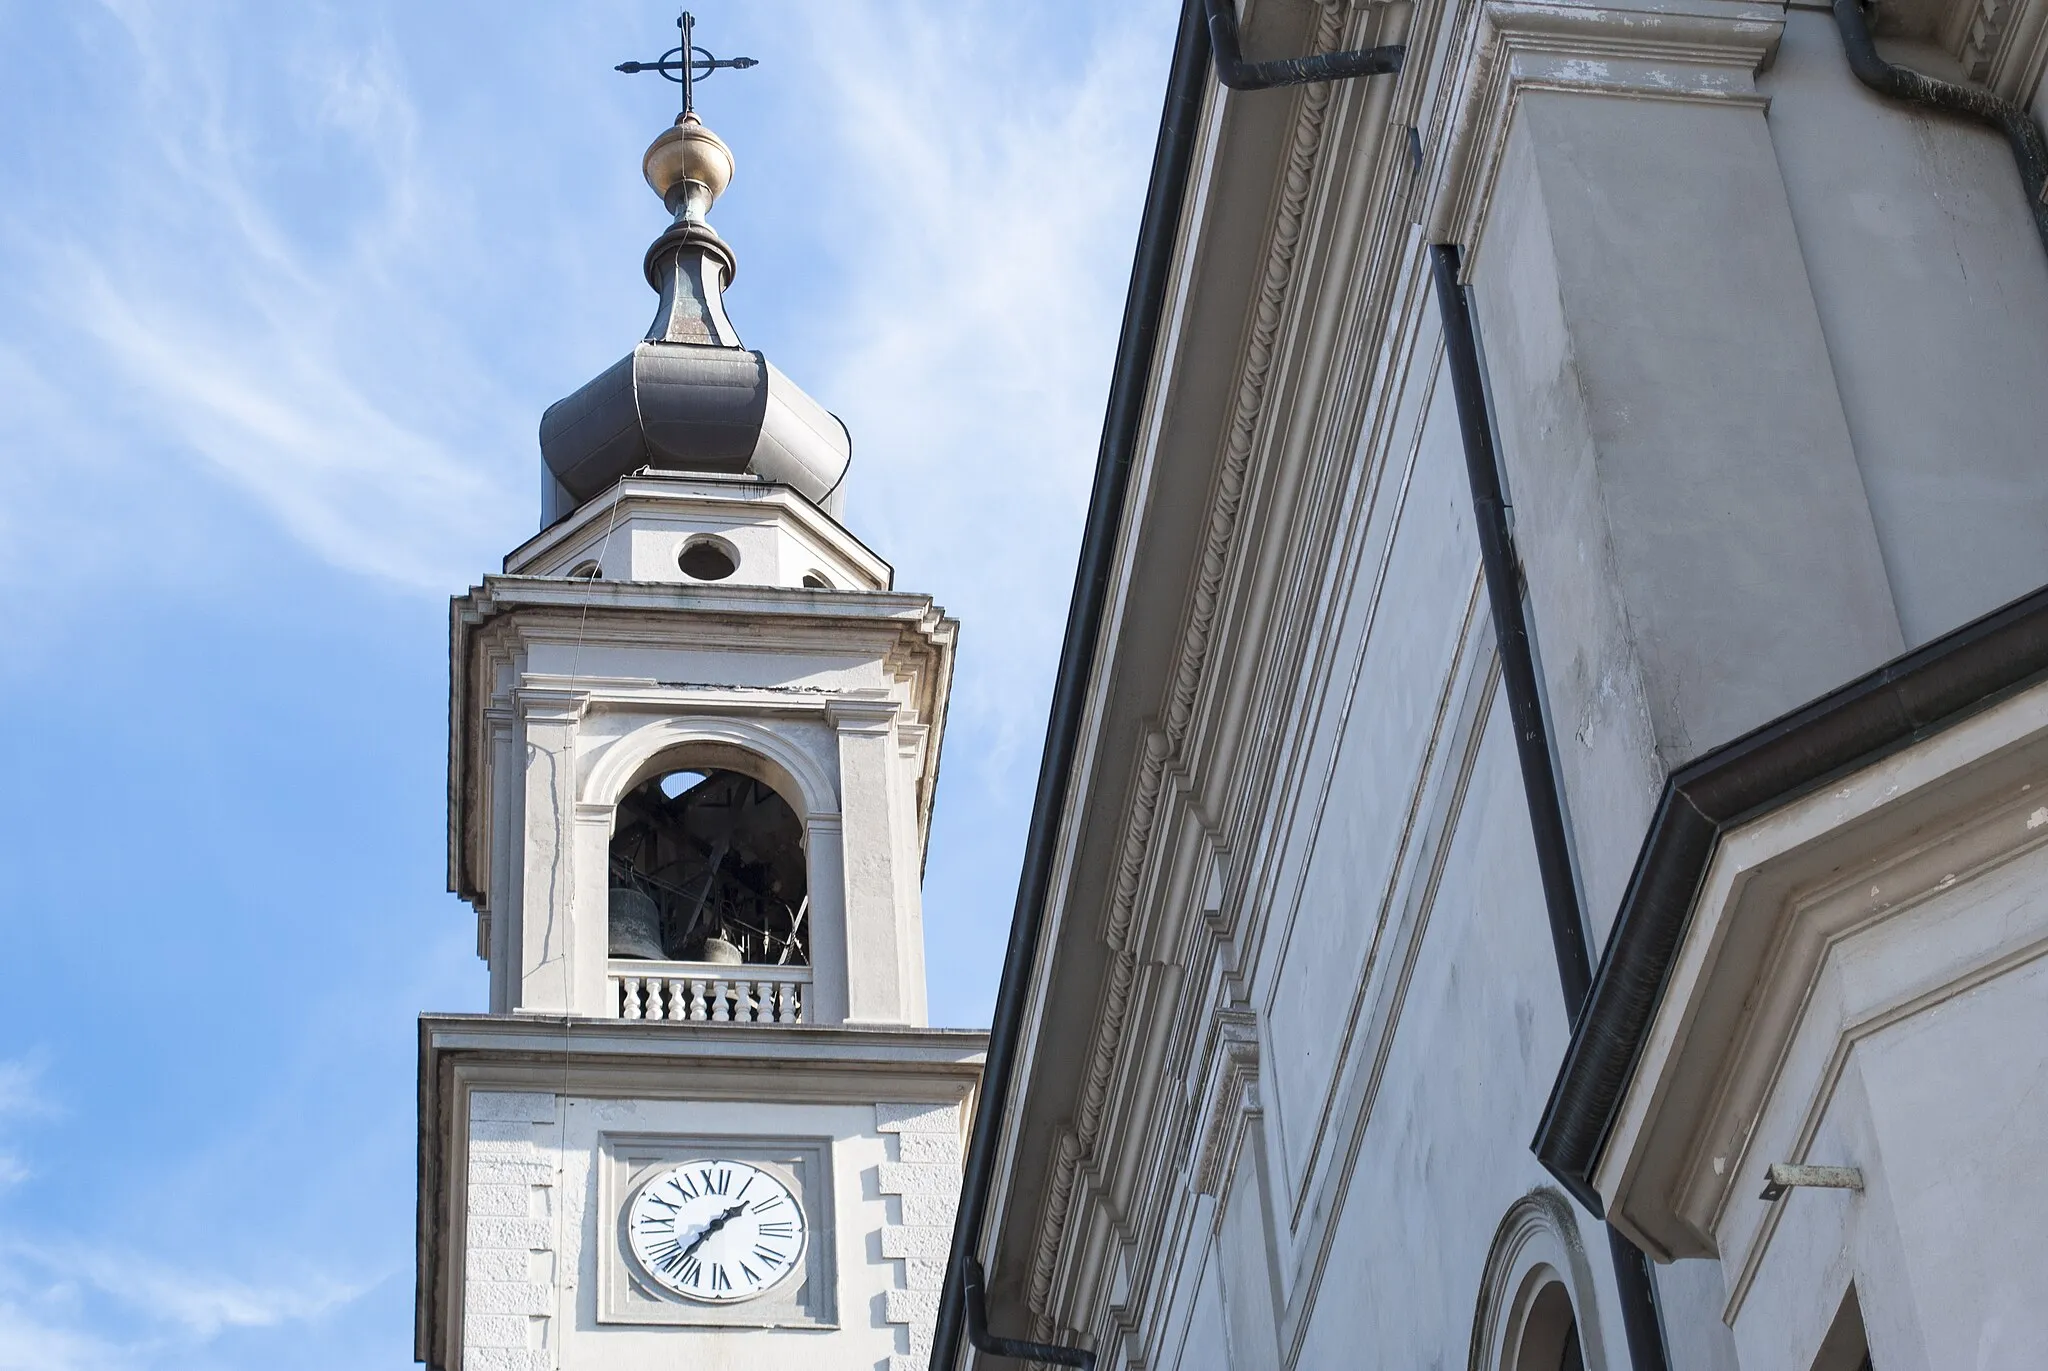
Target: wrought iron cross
686	63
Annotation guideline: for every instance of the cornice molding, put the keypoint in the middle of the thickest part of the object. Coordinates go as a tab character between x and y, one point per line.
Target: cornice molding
861	713
915	651
2002	44
1700	51
1163	744
1231	1103
501	593
747	498
551	704
1933	688
1052	1230
627	695
1247	418
1683	1166
600	1043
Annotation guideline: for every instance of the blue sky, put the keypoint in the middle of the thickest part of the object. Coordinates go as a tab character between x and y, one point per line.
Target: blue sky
283	292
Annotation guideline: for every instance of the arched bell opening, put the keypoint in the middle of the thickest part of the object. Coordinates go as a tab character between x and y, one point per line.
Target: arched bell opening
708	865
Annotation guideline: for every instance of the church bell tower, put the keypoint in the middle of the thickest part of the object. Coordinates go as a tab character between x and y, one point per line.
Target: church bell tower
694	734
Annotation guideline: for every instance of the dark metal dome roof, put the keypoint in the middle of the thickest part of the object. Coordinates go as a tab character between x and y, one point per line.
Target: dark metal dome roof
689	397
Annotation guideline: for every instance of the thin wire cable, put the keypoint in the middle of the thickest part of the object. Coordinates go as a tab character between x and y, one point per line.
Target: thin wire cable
575	668
590	591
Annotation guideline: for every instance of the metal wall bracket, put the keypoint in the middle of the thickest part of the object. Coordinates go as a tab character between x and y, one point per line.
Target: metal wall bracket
1783	1176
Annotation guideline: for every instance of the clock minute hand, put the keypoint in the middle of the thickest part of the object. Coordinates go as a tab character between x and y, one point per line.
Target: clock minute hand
721	1221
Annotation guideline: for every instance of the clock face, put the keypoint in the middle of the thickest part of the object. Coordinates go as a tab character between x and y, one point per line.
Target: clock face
717	1231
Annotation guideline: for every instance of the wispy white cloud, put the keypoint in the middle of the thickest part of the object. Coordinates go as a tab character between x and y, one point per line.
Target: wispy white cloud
998	193
30	1340
275	330
103	1308
281	416
21	1098
21	1092
276	268
282	329
107	1305
198	1303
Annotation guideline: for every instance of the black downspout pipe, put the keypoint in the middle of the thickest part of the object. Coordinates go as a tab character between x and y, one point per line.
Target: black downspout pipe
1973	102
1498	562
1502	571
1016	1349
1233	71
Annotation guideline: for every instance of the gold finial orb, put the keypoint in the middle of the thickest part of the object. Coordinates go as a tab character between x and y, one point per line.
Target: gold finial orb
684	153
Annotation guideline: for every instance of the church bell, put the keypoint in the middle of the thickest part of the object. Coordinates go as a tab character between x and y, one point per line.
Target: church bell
634	925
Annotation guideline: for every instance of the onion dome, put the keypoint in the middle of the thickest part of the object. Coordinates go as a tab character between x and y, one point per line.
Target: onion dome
690	397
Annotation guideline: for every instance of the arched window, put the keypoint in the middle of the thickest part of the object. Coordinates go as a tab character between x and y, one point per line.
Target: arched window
708	866
1535	1309
1550	1334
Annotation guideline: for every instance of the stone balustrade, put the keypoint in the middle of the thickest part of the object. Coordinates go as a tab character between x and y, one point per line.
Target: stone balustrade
708	992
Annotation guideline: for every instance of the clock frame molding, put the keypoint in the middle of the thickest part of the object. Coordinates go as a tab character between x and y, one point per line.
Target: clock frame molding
629	1159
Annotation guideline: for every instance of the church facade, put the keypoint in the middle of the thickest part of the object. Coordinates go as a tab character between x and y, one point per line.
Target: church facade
694	733
1542	860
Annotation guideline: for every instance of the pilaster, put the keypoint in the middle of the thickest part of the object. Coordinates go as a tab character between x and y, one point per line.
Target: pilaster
501	908
550	948
1687	502
879	892
912	739
590	908
825	848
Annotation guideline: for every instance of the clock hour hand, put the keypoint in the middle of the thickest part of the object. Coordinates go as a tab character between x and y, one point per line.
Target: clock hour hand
721	1221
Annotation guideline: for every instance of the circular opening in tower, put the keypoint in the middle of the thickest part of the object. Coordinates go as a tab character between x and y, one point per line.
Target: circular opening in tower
708	866
705	558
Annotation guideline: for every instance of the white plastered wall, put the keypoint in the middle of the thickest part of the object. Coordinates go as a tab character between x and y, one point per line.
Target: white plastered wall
1921	1061
537	1232
1864	983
